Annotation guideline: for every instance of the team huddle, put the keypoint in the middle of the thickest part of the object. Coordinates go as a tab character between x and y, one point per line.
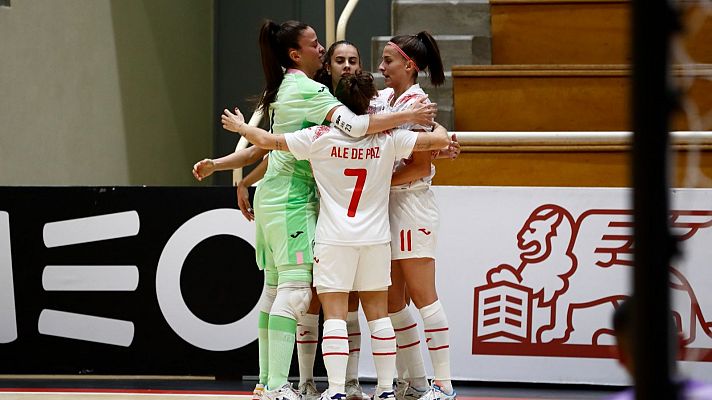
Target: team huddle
344	214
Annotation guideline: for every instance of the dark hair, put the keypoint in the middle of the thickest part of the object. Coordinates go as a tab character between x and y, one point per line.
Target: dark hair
622	317
355	91
622	322
423	50
323	76
275	42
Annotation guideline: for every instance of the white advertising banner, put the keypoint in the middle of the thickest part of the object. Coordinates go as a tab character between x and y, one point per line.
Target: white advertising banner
529	278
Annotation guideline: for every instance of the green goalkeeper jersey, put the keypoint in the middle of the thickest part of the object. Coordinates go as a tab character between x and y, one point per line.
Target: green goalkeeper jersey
286	201
301	102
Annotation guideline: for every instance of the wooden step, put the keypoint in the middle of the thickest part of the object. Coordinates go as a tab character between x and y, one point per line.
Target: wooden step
580	32
556	97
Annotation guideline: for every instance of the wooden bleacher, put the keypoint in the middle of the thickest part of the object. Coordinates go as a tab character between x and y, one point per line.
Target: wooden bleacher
561	65
554	97
556	32
575	32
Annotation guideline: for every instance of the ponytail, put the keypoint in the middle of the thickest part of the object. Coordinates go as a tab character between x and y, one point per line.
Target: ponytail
270	63
275	41
433	60
425	53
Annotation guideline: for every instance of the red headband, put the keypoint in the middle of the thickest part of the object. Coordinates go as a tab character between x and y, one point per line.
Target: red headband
405	55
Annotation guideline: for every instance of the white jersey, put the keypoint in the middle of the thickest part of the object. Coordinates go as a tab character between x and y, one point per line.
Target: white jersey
353	176
382	104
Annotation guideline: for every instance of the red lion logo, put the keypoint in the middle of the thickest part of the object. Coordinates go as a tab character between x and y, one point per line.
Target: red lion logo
563	263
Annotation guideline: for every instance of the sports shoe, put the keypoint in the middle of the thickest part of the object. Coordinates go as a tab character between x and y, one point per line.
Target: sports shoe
436	393
406	392
308	390
337	396
385	395
286	392
259	392
354	392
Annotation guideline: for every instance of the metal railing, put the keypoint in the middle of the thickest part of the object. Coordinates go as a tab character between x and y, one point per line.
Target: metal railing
569	141
336	32
344	20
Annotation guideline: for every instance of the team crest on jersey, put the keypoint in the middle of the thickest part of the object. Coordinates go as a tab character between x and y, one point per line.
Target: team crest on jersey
319	130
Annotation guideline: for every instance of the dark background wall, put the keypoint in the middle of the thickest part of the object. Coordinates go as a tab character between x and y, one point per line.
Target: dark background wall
238	73
105	92
129	92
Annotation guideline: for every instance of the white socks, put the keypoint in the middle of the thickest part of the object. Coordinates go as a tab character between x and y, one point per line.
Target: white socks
409	360
307	340
438	340
354	331
335	349
383	345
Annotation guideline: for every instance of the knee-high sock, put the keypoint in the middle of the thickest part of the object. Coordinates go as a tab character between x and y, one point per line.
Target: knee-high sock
383	345
307	340
281	346
409	359
438	340
263	345
269	292
335	349
354	330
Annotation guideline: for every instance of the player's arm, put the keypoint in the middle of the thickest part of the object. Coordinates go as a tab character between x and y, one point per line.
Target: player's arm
420	165
435	140
238	159
257	136
243	195
421	113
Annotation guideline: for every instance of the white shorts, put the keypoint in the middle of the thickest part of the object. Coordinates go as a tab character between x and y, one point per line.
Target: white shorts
352	268
415	221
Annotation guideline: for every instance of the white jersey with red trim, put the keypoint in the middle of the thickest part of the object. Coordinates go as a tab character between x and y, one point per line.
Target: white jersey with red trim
382	104
353	176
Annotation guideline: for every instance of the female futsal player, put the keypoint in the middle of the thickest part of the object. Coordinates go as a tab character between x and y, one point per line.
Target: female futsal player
286	202
414	227
342	58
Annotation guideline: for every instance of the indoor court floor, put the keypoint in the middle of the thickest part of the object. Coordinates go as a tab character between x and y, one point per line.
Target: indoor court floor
49	388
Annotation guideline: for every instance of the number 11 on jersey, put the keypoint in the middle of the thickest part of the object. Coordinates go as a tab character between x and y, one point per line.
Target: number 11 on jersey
360	174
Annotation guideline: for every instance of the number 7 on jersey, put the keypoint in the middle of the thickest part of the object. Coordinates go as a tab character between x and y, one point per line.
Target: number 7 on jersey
360	174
